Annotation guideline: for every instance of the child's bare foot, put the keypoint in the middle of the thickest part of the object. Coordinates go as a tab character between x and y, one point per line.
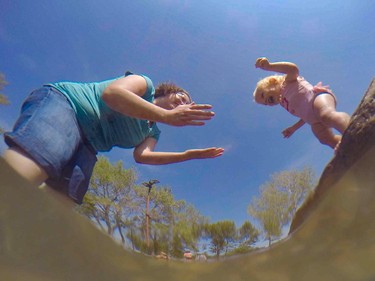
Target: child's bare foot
338	143
337	147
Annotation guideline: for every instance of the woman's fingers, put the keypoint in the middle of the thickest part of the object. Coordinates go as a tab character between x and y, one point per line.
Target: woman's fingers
190	114
210	152
200	106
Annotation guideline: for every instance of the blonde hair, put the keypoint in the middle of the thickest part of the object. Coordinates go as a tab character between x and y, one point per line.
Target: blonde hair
271	83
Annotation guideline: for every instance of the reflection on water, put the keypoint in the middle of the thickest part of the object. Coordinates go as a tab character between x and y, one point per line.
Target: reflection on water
41	239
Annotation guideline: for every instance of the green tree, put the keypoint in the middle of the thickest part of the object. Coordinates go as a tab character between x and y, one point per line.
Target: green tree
133	234
298	184
3	99
175	225
248	234
3	83
110	198
188	226
222	234
162	211
279	200
118	206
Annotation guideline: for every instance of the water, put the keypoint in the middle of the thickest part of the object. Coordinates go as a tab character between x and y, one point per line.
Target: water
42	239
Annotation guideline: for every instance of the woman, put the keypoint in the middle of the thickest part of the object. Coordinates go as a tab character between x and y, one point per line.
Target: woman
63	125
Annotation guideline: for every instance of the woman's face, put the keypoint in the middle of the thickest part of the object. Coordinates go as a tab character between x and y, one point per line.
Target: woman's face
173	100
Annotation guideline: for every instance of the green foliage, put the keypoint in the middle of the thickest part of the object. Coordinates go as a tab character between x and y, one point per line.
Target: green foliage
298	185
270	210
241	250
109	199
279	200
222	234
172	219
177	248
3	83
248	234
118	206
3	99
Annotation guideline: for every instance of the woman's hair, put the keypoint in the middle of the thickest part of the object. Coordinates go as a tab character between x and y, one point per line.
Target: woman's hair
270	83
167	88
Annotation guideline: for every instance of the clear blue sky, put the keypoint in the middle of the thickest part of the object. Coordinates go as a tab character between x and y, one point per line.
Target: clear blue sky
209	48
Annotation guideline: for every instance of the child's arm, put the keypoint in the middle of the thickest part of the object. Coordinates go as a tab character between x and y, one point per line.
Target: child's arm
289	131
288	68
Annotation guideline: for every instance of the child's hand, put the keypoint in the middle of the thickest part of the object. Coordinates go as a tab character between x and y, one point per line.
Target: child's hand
262	63
288	132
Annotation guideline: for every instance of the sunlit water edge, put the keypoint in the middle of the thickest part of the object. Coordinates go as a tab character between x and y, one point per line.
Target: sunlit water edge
40	239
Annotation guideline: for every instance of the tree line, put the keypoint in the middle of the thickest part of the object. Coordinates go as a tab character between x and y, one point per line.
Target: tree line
147	218
3	98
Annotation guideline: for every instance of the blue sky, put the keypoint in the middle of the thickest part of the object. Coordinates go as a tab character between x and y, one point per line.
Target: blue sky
209	48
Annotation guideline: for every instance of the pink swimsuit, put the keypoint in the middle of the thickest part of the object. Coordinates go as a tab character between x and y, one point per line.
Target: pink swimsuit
298	98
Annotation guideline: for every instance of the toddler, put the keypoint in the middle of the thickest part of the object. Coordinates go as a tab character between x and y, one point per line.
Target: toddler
315	105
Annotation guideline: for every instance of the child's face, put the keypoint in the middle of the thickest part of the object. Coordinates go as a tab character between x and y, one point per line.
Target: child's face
270	98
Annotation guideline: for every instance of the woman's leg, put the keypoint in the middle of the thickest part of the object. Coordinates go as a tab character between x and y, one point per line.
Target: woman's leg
325	109
44	138
25	166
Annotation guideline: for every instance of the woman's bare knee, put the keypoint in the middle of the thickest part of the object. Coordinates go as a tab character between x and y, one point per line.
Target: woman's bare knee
25	166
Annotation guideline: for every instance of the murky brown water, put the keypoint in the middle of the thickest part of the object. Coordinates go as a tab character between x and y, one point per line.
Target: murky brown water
41	239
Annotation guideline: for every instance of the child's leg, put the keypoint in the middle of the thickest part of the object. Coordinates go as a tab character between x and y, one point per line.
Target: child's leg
325	135
25	166
325	109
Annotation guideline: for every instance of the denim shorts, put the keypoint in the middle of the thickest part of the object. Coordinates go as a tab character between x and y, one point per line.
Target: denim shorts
47	130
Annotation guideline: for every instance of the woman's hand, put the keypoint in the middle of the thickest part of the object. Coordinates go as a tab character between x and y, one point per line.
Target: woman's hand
188	114
211	152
